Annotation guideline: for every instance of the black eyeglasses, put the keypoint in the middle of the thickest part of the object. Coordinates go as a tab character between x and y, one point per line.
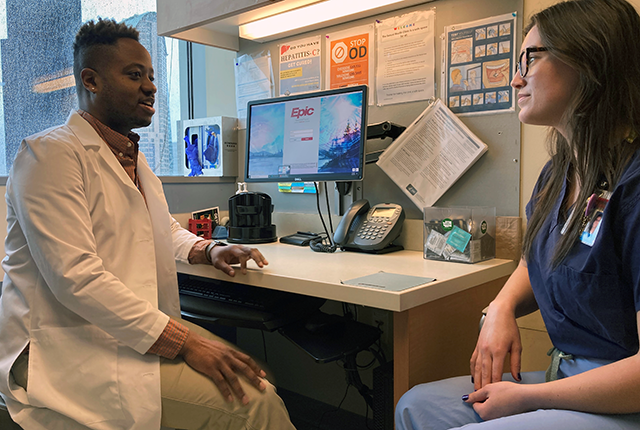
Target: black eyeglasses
523	68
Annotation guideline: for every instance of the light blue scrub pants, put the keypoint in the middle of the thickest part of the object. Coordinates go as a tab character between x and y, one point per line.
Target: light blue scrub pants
439	406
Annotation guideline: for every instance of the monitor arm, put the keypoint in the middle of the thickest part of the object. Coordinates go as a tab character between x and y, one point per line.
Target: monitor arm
384	129
380	131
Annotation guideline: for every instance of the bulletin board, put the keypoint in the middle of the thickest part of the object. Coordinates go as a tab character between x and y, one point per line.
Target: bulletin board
494	180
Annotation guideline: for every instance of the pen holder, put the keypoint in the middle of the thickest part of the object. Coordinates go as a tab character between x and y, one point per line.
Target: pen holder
463	234
201	227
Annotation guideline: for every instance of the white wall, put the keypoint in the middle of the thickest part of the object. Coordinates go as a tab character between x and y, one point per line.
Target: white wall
221	96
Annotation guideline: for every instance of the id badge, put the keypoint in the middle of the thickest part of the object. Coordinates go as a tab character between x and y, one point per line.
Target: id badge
593	218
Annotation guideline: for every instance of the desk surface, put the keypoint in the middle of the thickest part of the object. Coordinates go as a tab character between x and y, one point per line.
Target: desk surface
300	270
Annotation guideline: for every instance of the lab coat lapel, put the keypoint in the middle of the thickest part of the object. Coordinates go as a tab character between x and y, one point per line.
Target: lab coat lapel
168	298
90	139
134	202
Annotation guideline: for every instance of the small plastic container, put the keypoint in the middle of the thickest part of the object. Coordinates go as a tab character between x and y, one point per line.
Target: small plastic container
465	234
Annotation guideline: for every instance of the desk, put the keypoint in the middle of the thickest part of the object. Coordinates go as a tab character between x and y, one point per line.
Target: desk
434	324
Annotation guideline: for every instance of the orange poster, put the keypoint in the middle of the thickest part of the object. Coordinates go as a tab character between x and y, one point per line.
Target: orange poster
349	57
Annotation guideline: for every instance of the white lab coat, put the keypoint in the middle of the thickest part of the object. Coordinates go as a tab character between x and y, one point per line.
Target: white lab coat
90	278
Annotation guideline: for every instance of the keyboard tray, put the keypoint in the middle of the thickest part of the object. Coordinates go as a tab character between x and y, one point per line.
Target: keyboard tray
239	305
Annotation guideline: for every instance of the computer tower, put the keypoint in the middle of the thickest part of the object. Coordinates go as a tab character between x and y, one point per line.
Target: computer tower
383	410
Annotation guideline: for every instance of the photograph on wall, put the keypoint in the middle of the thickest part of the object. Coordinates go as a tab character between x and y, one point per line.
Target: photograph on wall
405	70
300	66
479	64
349	58
212	214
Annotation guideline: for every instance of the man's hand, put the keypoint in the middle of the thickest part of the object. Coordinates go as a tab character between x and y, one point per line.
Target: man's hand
223	256
223	365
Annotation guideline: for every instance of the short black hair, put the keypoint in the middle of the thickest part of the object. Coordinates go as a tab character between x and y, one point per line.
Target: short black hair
93	37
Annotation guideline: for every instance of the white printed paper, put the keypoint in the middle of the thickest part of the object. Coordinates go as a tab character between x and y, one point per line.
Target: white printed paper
406	58
253	82
431	155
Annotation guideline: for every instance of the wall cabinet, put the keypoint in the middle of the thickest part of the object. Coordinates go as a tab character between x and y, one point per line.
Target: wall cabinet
215	22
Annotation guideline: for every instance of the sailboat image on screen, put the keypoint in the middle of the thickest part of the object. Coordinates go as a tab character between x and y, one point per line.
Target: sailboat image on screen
343	151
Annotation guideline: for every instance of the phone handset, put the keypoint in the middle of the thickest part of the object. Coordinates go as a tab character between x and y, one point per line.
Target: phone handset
349	223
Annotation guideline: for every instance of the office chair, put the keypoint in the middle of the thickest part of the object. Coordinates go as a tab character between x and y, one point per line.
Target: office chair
6	423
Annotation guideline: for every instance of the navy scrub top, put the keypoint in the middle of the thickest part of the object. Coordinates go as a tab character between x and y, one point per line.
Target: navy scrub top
589	302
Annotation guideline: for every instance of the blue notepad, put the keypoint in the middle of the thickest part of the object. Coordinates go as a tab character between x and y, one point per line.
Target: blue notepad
389	281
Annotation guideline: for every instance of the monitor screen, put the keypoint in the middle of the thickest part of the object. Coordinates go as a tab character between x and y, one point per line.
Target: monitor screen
316	136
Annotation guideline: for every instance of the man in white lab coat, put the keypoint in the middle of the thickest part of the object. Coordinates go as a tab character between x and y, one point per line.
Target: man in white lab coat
90	278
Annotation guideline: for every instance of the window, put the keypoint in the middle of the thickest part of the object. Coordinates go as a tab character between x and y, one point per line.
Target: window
37	88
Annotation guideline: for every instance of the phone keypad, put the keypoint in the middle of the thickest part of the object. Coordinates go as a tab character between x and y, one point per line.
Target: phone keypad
372	230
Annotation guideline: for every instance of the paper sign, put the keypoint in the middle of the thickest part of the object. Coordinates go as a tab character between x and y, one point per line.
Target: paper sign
406	58
349	58
300	66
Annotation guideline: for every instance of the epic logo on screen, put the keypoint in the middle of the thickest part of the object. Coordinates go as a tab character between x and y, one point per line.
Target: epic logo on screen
297	112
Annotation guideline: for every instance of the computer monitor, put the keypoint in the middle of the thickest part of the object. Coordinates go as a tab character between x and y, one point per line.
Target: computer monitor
317	136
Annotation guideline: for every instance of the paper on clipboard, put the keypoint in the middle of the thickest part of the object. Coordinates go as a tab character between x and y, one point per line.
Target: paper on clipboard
431	154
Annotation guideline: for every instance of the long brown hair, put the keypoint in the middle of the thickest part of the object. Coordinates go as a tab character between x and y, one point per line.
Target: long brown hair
598	39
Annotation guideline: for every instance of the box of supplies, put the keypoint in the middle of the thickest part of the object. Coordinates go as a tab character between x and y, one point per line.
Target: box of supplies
209	146
465	234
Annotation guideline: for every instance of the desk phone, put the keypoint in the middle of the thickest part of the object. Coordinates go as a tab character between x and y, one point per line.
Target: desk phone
369	228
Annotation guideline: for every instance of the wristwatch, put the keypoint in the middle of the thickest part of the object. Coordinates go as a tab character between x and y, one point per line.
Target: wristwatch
214	243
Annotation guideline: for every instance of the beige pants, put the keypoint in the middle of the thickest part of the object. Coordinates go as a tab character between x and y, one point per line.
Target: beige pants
191	401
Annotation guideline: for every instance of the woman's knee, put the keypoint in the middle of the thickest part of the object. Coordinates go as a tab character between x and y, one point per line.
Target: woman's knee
404	409
435	405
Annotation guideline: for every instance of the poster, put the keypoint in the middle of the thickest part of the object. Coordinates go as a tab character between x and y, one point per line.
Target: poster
406	58
479	64
254	81
300	66
349	58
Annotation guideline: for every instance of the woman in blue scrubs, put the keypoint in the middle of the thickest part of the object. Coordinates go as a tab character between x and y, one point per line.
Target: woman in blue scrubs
578	74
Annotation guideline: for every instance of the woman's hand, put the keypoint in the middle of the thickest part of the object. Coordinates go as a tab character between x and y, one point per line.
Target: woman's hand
499	400
223	256
499	336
